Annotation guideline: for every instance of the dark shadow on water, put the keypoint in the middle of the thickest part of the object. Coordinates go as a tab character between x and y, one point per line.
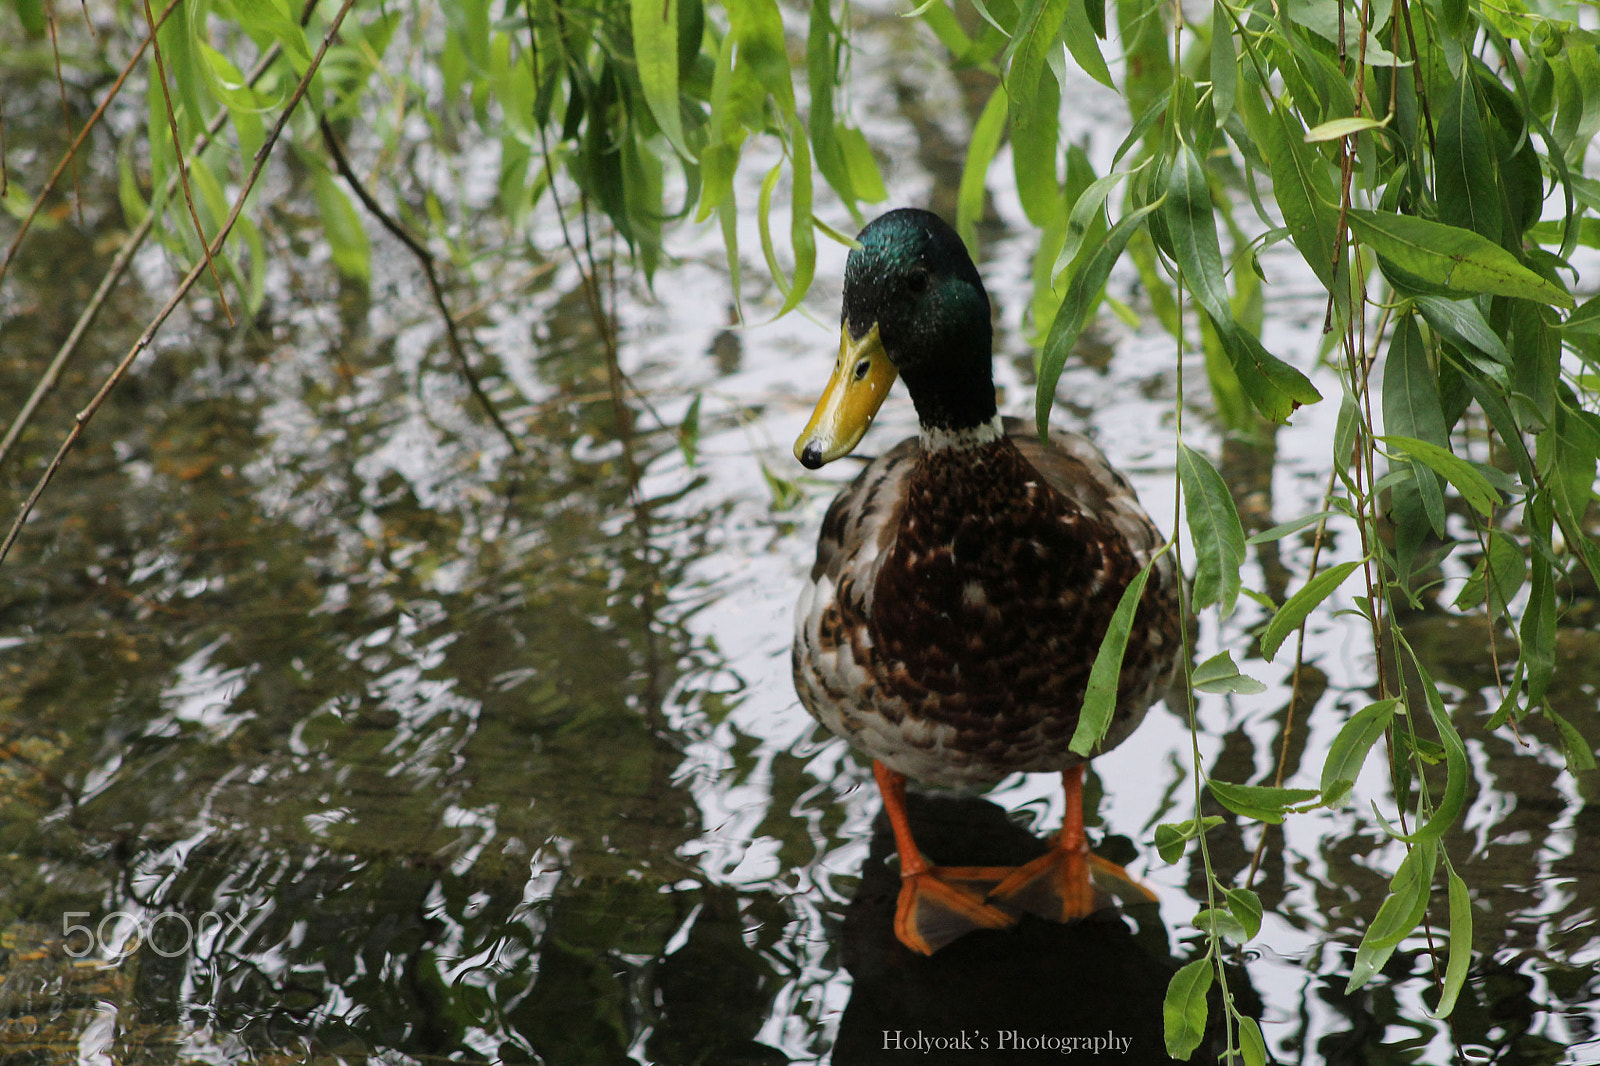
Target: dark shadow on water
1012	996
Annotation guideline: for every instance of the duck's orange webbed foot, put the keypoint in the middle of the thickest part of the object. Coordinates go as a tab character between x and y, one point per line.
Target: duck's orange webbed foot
941	904
938	904
1057	884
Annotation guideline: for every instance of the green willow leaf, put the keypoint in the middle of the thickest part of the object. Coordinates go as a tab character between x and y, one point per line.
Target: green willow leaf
1339	128
981	149
1466	479
1095	11
1224	63
1183	1012
1355	739
1497	409
1246	907
1451	257
1301	604
1286	529
1081	43
1215	531
1035	104
728	222
1411	407
1301	180
1538	630
1220	674
655	50
1215	921
756	31
1586	319
1466	180
1252	1045
822	69
1086	211
1100	696
1460	959
689	431
1578	750
1398	915
866	181
1458	769
272	21
1499	576
802	229
1172	837
1192	225
347	240
1462	324
1274	387
769	249
1069	321
1261	802
1171	841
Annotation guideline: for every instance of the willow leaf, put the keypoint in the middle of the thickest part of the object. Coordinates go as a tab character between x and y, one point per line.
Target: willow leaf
1467	183
1221	674
1035	110
1252	1045
1397	916
655	49
1192	224
1466	479
1183	1012
1261	802
1224	63
1246	907
1301	604
1338	128
1451	257
1080	37
1100	696
1354	740
981	148
1215	530
1411	407
1455	971
1068	324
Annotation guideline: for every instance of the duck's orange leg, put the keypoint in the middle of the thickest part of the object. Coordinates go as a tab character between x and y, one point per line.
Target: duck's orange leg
1056	884
938	904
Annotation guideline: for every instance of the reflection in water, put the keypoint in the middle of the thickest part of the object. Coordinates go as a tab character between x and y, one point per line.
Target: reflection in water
1029	994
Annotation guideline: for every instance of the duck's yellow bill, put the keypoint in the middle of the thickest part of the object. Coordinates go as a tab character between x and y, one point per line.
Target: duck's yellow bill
860	382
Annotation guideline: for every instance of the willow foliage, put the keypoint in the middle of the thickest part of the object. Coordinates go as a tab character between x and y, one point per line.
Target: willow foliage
1425	159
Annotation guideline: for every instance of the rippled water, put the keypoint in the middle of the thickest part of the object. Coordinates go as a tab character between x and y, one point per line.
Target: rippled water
340	730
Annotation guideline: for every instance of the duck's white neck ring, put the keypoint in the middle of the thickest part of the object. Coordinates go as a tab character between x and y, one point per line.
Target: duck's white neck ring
936	439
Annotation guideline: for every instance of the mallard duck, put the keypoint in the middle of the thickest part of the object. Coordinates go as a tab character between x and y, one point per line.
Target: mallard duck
965	579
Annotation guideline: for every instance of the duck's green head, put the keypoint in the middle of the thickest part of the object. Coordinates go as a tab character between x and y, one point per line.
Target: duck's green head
914	305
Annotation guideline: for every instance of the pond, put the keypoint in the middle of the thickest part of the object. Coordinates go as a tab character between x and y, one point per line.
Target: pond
333	728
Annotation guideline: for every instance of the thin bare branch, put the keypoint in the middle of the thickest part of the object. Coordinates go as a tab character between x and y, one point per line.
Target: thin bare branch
342	164
81	421
71	153
119	265
66	110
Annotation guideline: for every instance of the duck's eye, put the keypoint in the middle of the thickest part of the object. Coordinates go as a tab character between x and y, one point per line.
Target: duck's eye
862	368
917	280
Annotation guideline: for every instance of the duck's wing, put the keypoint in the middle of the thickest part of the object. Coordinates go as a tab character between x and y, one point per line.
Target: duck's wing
861	522
1079	470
